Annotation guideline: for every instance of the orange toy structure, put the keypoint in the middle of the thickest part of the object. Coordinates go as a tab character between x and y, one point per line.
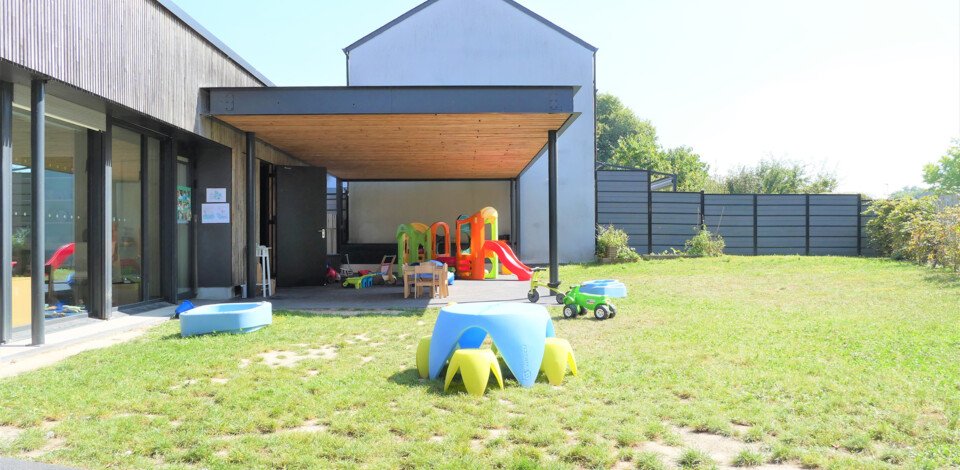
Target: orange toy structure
472	261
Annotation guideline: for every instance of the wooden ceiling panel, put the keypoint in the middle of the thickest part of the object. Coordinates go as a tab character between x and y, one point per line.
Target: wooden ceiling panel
408	146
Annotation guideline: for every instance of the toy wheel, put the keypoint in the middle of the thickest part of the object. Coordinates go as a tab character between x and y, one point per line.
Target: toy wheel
613	311
601	312
583	311
345	285
569	311
560	298
533	296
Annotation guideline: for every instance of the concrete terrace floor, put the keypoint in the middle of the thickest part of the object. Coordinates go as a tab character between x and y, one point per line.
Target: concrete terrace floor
334	297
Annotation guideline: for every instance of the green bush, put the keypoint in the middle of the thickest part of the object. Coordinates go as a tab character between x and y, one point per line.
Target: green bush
916	230
610	237
890	230
705	243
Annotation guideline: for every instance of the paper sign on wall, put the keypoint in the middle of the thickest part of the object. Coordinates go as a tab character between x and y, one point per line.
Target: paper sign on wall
215	213
216	194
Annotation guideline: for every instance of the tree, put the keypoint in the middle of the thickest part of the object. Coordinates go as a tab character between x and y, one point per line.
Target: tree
778	177
912	192
616	122
693	174
944	176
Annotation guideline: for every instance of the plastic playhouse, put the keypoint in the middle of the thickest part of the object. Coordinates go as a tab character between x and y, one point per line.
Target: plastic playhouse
477	253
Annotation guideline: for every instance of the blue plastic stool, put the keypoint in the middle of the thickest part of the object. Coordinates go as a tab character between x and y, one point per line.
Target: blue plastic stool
519	332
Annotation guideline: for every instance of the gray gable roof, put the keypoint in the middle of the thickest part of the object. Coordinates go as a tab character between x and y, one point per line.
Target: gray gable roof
427	3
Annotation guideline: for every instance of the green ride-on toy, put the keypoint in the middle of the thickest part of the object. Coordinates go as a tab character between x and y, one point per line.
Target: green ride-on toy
577	303
533	295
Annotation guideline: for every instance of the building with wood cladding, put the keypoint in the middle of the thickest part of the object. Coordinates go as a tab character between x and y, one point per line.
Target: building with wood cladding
142	162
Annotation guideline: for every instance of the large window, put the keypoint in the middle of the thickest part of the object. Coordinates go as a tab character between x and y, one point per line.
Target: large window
66	283
136	217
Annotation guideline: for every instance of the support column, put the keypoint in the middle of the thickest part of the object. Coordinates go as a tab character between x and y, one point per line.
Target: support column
552	207
38	208
339	208
251	210
6	211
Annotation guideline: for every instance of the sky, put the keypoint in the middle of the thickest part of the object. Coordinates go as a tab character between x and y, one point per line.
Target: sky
866	89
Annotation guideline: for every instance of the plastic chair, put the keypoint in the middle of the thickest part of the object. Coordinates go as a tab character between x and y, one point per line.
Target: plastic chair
557	355
475	366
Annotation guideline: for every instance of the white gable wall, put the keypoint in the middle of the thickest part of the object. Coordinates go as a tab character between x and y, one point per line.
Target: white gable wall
490	42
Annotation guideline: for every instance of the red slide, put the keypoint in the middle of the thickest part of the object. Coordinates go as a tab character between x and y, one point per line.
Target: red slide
508	258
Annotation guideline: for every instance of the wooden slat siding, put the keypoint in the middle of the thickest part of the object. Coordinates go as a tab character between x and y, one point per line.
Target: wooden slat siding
133	52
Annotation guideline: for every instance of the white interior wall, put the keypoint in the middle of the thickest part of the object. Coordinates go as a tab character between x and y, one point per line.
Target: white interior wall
489	42
377	208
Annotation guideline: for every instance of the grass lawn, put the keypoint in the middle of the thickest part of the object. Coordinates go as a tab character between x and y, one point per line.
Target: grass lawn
819	362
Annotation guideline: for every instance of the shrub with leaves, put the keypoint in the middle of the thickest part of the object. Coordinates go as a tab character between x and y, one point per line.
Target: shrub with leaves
705	243
890	231
612	238
916	230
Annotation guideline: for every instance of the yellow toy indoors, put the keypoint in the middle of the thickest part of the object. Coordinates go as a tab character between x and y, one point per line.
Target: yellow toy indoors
556	356
423	357
475	366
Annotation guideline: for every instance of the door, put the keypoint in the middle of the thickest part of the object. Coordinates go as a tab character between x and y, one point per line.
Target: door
301	212
186	224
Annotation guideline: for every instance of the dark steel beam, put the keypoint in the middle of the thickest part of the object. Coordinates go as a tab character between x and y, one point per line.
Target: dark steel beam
339	214
552	207
168	220
6	211
38	209
251	211
392	100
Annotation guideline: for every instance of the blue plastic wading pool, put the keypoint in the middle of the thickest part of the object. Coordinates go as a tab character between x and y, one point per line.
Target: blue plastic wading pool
226	318
608	287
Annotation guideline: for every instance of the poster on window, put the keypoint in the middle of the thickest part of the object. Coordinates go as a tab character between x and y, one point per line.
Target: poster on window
215	213
184	204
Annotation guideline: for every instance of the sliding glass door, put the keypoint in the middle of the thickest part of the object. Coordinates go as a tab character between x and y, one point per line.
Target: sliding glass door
136	217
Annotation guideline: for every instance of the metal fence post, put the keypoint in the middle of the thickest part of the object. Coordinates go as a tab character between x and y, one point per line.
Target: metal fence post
649	213
756	243
807	213
859	224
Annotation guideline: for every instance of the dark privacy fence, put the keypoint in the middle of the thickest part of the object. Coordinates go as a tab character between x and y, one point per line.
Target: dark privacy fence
751	224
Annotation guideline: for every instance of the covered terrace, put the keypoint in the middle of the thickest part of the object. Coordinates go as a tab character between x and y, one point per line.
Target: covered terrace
418	133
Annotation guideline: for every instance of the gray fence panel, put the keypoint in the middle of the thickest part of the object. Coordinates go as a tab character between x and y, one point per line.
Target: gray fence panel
712	209
780	251
781	231
781	210
676	208
847	231
834	220
776	242
833	251
728	231
675	229
691	198
620	196
615	219
621	207
781	200
781	221
622	186
714	221
833	210
728	199
833	242
739	242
